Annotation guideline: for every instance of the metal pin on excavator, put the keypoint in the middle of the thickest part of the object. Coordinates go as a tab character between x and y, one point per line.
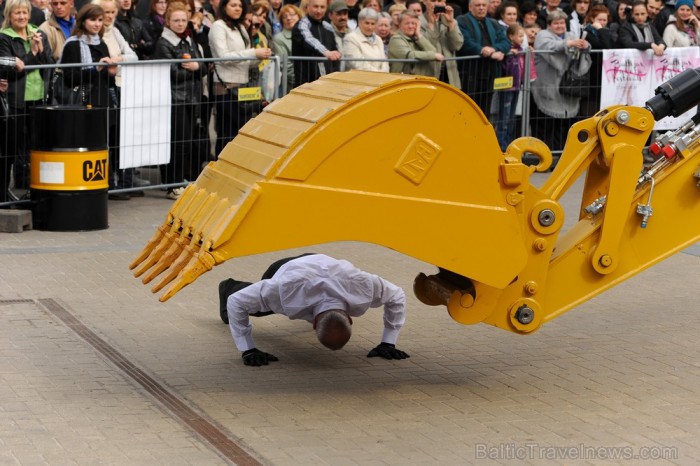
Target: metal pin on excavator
412	164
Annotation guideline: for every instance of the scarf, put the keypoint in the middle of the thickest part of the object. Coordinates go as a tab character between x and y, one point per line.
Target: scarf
85	41
690	30
648	37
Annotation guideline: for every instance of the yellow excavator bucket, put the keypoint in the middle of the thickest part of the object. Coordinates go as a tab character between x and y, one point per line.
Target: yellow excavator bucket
403	161
412	164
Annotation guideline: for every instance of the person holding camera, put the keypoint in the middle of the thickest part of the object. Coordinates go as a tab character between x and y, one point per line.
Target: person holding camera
684	29
438	25
619	15
639	34
23	41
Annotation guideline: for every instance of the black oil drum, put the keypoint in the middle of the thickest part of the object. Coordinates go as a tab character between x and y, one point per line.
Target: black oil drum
69	175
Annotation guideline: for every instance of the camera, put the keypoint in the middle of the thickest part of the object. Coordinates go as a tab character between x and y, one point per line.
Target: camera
439	9
628	9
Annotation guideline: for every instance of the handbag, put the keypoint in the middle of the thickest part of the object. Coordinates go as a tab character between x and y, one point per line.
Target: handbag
62	94
247	108
576	80
4	106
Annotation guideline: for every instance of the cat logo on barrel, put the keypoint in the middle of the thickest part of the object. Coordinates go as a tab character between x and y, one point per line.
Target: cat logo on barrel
94	170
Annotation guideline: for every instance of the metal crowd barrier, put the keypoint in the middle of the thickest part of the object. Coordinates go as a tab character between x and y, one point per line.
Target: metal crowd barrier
190	133
152	122
526	120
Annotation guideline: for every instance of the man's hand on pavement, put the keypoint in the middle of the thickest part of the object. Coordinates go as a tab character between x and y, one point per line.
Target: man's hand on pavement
255	357
387	351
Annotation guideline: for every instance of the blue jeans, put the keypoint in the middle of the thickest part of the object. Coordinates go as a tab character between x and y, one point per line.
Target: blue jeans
505	125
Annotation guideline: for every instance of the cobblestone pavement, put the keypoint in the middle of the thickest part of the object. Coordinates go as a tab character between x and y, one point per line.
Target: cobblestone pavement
132	381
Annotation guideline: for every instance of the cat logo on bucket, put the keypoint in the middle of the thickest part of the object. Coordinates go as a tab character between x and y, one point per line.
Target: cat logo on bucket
94	170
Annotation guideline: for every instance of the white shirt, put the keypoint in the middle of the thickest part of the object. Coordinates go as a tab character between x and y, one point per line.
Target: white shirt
305	287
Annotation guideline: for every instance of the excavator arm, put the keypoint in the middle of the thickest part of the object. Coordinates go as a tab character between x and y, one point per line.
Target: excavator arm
412	164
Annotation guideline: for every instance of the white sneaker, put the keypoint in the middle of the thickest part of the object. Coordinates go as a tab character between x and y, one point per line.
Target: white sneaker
175	193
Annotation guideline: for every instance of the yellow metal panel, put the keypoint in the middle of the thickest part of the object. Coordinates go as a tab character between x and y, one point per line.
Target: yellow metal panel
69	171
353	156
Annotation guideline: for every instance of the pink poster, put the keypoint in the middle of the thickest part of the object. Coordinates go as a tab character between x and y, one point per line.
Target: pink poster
630	77
674	61
627	75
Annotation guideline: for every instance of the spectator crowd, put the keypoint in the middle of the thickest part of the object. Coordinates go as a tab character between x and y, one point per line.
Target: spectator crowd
322	36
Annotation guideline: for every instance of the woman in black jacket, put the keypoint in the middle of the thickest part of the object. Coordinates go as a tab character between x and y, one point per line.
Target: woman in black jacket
85	45
600	38
133	30
25	89
156	19
186	90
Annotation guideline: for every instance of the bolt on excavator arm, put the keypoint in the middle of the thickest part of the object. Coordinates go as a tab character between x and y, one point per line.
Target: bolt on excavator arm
412	164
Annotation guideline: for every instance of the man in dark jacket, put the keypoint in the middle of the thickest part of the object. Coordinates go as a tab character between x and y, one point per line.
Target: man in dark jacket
659	14
485	38
314	37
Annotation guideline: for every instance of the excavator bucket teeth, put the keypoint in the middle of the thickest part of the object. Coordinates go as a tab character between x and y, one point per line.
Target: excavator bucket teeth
197	266
165	260
355	156
174	270
152	243
167	226
154	255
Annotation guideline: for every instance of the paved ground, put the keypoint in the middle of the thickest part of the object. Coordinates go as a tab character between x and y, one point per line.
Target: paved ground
93	369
